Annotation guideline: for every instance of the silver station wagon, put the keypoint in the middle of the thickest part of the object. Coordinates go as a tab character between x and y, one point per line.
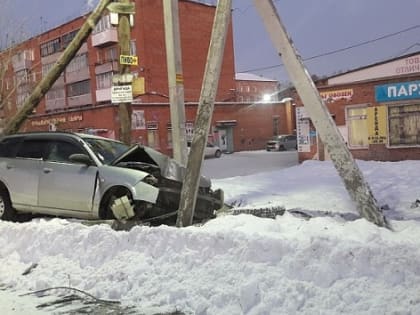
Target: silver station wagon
90	177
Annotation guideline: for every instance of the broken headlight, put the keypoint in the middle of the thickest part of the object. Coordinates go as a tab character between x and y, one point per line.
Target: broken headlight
151	180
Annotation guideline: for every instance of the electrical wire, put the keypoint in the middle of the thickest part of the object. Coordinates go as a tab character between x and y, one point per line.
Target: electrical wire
332	52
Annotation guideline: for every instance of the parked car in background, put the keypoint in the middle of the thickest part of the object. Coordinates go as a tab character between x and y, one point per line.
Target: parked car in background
90	177
282	143
211	150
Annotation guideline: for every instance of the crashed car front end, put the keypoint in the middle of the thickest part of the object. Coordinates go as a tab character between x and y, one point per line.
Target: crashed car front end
169	178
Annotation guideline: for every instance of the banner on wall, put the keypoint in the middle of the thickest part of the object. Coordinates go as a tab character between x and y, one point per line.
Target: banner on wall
302	130
138	121
376	120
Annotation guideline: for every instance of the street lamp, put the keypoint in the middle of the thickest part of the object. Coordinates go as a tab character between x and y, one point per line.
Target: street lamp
266	98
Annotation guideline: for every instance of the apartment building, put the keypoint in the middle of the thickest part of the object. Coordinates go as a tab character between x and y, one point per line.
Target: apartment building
80	100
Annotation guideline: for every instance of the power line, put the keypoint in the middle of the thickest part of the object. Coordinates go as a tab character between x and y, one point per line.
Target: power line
341	49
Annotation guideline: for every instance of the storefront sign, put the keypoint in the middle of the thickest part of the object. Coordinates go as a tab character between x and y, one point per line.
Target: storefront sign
302	130
408	65
376	120
57	120
332	96
397	91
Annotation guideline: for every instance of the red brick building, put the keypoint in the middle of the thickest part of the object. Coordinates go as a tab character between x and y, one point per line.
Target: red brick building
254	88
376	108
80	100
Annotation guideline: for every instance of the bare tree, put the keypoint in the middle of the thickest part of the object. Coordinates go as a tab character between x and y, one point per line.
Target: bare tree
47	82
12	32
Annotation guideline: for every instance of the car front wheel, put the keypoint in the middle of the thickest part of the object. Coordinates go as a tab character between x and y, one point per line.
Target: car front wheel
218	153
6	210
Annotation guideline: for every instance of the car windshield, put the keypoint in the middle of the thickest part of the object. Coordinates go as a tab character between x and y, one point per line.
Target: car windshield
106	150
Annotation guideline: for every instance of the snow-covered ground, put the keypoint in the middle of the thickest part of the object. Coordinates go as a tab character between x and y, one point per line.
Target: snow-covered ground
239	264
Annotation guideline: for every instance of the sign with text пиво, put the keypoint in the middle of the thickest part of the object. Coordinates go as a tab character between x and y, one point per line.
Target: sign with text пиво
129	60
121	94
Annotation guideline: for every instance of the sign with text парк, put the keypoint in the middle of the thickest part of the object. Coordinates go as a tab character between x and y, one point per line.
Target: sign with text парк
397	91
121	94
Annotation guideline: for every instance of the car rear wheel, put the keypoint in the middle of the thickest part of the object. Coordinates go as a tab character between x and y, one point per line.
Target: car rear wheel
6	210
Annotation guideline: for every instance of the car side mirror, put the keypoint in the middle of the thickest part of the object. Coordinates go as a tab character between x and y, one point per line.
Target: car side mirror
81	159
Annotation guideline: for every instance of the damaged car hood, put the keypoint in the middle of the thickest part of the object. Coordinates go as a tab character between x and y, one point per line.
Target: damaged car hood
169	168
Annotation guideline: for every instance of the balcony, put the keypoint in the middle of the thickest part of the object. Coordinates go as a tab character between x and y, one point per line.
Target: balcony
104	38
80	100
76	76
22	64
111	66
103	95
55	104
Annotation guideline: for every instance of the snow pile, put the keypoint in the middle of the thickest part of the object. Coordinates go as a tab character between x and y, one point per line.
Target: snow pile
242	264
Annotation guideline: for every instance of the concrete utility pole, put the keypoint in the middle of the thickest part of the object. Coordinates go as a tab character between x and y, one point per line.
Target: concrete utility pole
321	118
175	80
124	37
205	113
45	84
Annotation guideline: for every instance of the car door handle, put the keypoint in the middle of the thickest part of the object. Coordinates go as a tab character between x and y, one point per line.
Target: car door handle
47	170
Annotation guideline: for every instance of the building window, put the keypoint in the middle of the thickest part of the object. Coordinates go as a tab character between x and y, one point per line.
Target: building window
50	47
133	48
20	99
67	38
78	63
47	67
404	125
22	77
103	25
111	54
357	126
78	88
104	80
54	94
23	55
152	134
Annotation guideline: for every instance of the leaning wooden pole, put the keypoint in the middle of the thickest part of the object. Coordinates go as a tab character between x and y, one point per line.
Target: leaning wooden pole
343	161
47	82
205	113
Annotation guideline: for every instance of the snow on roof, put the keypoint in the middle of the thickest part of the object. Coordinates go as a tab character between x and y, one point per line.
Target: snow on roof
251	77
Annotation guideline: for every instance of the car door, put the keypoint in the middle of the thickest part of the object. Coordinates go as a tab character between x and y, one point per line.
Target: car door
21	173
64	186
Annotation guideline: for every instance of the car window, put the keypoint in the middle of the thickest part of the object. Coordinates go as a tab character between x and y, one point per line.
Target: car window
32	149
60	151
8	147
106	150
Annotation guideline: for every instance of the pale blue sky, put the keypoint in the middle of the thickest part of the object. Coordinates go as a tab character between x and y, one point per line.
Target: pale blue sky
316	27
